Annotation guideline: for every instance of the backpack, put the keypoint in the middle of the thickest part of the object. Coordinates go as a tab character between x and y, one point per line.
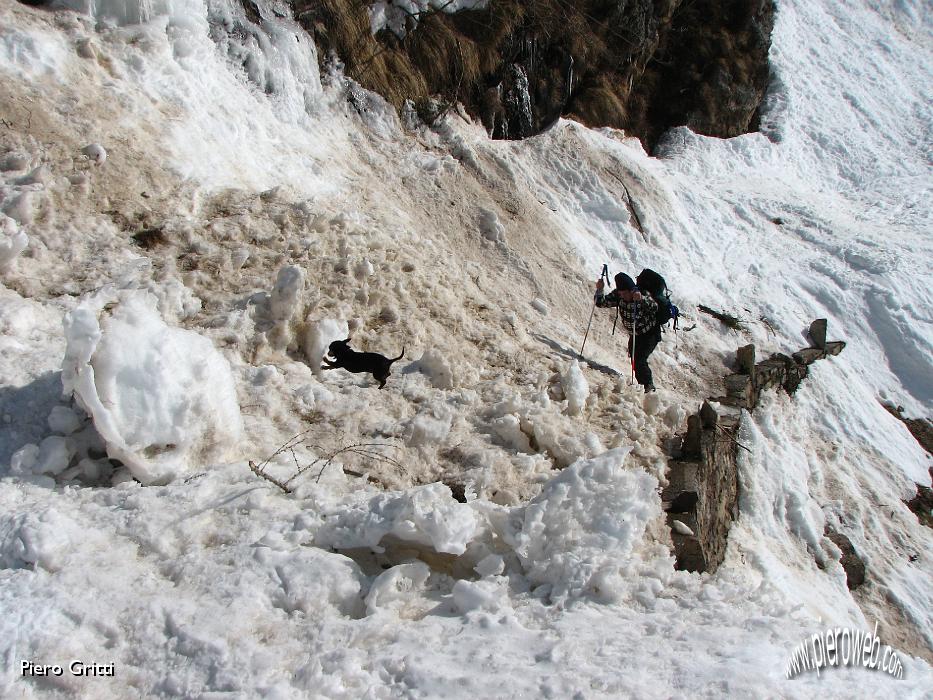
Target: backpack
650	281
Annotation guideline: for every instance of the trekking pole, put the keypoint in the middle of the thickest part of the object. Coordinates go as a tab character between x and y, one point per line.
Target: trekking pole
588	328
634	321
602	275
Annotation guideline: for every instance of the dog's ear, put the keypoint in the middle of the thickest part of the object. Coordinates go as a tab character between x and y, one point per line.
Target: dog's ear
345	341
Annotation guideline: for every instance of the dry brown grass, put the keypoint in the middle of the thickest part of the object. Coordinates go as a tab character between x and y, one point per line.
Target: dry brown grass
641	66
451	56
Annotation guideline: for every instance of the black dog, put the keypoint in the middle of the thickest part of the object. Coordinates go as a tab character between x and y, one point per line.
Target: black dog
352	361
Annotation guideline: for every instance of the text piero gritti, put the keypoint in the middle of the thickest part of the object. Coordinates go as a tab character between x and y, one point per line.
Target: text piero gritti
74	668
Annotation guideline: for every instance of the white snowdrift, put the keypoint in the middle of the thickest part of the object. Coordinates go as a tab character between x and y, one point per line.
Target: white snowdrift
163	399
577	538
583	527
426	515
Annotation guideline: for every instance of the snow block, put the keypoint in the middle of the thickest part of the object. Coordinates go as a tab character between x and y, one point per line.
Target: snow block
13	241
580	532
320	334
162	399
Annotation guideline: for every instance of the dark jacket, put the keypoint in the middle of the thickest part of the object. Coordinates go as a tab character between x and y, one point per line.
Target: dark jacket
641	315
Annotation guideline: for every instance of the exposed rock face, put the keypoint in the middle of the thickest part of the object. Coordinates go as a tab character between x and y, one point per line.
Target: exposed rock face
852	564
518	66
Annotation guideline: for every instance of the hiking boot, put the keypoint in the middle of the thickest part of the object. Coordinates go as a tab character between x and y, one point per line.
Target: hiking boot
649	388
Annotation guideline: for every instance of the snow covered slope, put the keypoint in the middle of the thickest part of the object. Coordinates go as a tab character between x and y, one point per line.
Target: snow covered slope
192	212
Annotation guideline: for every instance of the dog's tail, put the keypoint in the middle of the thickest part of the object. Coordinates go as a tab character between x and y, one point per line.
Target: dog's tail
400	356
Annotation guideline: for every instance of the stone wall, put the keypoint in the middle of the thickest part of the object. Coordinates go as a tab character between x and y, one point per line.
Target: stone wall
702	495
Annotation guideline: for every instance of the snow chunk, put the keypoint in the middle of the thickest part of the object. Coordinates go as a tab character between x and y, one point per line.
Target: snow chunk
54	456
437	369
490	226
396	585
163	399
652	404
426	515
36	539
675	415
285	305
22	207
585	524
95	153
575	387
490	565
508	429
682	528
363	269
320	334
13	241
24	459
539	306
486	595
176	301
429	427
287	292
313	580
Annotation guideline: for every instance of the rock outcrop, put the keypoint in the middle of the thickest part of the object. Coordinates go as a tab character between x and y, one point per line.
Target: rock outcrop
518	66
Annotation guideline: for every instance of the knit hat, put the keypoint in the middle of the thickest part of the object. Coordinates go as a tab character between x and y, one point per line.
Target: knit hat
624	282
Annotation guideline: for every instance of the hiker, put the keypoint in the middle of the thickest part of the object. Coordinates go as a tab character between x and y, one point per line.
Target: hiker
639	314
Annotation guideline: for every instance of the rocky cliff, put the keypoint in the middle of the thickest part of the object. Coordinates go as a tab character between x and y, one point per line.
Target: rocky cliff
518	66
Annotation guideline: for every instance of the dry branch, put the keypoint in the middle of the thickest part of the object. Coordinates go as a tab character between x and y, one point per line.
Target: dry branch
366	450
732	438
728	319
